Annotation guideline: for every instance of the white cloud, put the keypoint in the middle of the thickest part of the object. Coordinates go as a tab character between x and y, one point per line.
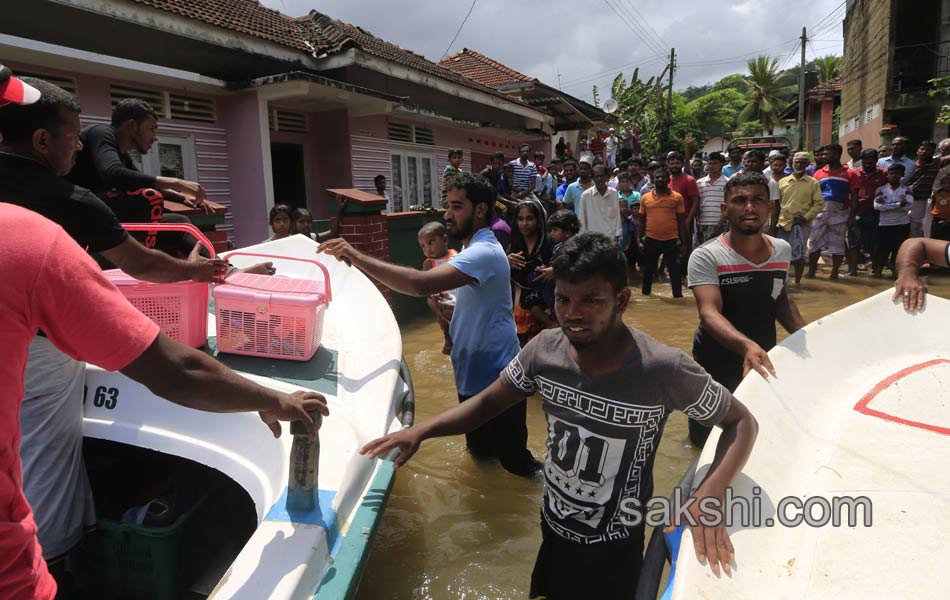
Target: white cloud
584	39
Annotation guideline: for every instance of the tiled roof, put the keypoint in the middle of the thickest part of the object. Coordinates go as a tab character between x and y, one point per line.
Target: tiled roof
315	34
242	16
828	88
482	69
329	35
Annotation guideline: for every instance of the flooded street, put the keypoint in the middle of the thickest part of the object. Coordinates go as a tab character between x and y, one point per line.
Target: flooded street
457	529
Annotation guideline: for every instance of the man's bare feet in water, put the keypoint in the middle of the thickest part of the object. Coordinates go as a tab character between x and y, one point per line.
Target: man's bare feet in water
264	268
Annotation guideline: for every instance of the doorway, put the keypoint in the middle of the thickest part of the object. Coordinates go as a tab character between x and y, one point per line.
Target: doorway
290	180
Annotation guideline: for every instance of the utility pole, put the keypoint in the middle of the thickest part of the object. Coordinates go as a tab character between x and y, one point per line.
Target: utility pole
669	103
558	77
801	95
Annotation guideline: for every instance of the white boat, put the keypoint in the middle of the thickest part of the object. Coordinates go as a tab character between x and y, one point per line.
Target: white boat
860	408
288	554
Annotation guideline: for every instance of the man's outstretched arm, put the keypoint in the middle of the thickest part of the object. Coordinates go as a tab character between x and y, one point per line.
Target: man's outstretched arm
463	418
404	280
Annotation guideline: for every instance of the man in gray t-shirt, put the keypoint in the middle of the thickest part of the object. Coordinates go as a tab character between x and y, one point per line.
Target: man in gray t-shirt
606	390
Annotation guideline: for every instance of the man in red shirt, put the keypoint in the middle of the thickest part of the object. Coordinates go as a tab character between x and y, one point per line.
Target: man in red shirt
870	177
597	146
41	266
839	189
684	184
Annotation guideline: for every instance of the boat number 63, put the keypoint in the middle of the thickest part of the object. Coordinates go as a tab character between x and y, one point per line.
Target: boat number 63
103	397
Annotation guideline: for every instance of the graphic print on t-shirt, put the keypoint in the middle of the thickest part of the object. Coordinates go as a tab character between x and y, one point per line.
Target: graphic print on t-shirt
601	450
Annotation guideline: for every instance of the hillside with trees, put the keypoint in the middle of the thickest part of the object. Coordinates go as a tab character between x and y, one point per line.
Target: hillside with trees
738	104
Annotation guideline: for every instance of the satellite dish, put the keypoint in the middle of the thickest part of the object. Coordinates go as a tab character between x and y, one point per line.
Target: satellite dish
611	106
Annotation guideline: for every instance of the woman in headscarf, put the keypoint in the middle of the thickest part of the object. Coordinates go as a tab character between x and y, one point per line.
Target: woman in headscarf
529	251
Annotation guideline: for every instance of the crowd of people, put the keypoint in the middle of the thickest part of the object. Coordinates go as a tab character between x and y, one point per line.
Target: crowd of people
532	304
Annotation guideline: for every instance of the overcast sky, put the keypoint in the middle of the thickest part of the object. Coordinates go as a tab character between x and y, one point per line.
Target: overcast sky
588	43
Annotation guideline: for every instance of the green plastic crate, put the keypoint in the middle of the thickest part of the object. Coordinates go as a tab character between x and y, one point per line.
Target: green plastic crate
121	560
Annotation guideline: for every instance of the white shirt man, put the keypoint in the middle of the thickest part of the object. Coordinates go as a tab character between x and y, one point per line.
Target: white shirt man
599	207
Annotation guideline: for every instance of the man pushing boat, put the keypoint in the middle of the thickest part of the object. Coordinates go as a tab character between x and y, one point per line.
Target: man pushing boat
606	390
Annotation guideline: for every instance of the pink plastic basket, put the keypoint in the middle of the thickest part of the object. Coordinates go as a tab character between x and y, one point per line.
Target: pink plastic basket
275	317
180	309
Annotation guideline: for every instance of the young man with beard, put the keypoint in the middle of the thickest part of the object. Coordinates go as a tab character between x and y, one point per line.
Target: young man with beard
739	281
606	390
481	326
105	167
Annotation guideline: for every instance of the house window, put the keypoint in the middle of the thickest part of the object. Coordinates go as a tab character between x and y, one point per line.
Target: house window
413	181
172	156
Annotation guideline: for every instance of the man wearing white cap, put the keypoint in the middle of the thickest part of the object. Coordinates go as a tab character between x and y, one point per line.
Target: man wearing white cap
611	142
801	201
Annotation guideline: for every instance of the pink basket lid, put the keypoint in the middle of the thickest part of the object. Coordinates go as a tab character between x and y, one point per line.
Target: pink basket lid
281	290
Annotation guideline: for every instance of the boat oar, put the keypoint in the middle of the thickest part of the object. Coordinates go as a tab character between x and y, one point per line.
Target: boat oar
304	466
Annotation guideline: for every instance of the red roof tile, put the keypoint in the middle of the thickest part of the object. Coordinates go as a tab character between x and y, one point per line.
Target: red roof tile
243	16
482	69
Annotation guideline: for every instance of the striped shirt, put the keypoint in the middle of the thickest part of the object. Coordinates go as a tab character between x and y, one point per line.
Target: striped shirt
711	196
524	175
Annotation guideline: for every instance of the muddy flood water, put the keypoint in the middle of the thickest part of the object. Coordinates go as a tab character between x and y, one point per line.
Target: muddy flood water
455	529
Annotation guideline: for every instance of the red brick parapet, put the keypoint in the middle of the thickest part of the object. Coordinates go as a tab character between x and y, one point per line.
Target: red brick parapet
363	225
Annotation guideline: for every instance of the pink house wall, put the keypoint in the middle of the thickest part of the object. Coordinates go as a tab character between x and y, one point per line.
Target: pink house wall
370	147
212	148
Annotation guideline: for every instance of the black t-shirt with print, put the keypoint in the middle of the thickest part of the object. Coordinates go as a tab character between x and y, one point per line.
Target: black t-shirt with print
85	217
603	432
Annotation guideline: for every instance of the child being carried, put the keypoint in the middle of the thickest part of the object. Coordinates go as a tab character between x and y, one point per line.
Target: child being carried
434	242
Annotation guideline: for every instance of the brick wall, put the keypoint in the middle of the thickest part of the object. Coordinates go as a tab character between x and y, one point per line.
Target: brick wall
368	234
868	32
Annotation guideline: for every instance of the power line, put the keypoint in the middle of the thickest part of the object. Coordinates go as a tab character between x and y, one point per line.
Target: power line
470	9
617	69
635	28
629	6
748	54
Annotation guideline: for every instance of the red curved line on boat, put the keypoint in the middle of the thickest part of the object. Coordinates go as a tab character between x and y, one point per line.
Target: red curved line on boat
862	405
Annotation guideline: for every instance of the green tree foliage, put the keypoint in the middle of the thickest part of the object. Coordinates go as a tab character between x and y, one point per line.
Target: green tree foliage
736	81
941	89
716	113
693	92
767	92
828	67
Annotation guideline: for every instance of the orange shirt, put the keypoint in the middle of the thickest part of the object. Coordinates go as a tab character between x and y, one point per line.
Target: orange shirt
941	208
661	213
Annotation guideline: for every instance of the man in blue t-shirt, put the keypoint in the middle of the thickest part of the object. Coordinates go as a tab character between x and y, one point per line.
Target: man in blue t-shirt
574	190
570	176
482	326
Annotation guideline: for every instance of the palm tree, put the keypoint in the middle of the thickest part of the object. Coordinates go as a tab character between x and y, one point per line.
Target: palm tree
828	67
767	92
